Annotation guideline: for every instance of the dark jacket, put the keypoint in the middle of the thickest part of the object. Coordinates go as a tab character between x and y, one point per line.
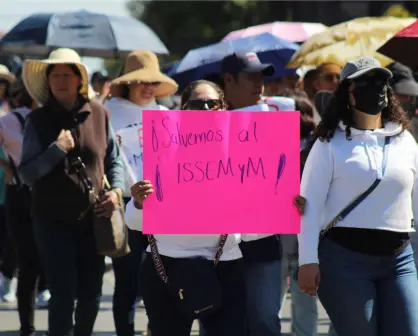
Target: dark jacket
58	193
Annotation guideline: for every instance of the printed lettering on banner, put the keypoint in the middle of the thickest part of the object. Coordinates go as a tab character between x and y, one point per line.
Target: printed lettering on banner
221	172
132	146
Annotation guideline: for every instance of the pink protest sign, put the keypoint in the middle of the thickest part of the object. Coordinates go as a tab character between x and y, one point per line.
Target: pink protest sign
221	172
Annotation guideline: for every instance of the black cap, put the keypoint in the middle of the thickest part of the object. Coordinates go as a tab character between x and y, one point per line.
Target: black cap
101	76
403	81
245	62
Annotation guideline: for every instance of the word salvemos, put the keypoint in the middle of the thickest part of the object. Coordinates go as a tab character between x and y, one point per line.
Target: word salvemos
169	134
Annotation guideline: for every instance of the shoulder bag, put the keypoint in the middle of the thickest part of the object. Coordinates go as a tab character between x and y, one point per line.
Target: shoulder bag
193	282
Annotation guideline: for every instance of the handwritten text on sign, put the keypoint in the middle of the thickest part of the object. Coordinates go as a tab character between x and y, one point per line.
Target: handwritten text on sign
221	172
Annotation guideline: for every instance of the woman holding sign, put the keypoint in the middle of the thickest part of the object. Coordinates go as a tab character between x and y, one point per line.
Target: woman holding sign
187	277
360	182
138	86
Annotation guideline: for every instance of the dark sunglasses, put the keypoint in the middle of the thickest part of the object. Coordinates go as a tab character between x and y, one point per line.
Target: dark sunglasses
200	104
329	77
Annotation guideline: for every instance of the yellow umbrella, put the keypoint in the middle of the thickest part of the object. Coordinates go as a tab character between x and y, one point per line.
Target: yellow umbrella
348	40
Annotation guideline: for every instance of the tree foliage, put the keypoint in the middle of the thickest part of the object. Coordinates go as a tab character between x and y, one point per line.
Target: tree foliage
184	25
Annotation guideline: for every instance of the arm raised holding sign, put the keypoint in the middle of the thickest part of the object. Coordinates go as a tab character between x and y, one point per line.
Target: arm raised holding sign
142	189
140	192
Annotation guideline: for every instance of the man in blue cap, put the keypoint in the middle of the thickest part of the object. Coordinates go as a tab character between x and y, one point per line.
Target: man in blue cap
242	78
243	85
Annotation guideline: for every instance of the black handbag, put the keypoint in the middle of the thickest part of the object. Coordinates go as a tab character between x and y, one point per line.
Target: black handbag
193	282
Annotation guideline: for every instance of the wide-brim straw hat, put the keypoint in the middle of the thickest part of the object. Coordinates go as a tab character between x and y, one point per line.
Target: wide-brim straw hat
143	66
6	74
35	77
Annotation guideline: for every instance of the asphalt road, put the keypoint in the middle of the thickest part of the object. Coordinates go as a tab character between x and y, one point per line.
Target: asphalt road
9	323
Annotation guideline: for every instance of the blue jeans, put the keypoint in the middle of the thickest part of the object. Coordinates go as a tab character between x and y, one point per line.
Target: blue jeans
74	270
304	307
263	282
127	272
368	295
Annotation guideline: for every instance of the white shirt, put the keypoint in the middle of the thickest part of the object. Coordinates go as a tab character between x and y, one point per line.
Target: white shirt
126	120
338	171
184	246
11	134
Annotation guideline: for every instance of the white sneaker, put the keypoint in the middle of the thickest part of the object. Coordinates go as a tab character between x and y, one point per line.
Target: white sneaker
7	292
43	299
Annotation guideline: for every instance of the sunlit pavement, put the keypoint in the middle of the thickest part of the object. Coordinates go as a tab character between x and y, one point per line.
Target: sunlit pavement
9	322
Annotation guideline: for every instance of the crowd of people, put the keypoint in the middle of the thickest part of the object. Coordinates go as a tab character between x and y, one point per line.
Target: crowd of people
62	133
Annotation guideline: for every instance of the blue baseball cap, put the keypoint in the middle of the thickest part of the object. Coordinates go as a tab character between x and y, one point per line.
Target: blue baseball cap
245	62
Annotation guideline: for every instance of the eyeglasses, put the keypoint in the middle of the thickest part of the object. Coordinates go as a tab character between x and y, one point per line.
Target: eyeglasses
200	104
330	77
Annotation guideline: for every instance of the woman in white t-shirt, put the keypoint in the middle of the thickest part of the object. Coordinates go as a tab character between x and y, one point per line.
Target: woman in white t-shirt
188	261
138	86
360	182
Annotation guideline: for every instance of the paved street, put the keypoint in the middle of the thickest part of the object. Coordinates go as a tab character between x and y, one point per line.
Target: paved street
9	323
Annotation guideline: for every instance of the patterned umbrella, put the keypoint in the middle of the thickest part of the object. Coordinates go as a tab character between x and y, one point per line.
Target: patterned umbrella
90	34
291	31
349	40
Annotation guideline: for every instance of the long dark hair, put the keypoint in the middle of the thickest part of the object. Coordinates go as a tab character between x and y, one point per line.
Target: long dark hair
306	108
339	109
187	92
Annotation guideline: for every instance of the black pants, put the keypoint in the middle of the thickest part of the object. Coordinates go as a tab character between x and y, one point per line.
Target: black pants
74	270
127	271
166	320
8	262
28	261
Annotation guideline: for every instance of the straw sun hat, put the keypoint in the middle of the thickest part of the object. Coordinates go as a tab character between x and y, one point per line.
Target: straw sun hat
6	74
36	81
143	66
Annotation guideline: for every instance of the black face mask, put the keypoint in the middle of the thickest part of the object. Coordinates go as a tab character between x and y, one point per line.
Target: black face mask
370	95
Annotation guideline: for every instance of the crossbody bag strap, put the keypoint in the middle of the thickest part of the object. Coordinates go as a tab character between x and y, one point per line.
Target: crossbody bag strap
158	263
156	259
356	201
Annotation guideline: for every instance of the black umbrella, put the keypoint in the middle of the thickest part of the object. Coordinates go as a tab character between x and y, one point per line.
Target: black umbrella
403	46
90	34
